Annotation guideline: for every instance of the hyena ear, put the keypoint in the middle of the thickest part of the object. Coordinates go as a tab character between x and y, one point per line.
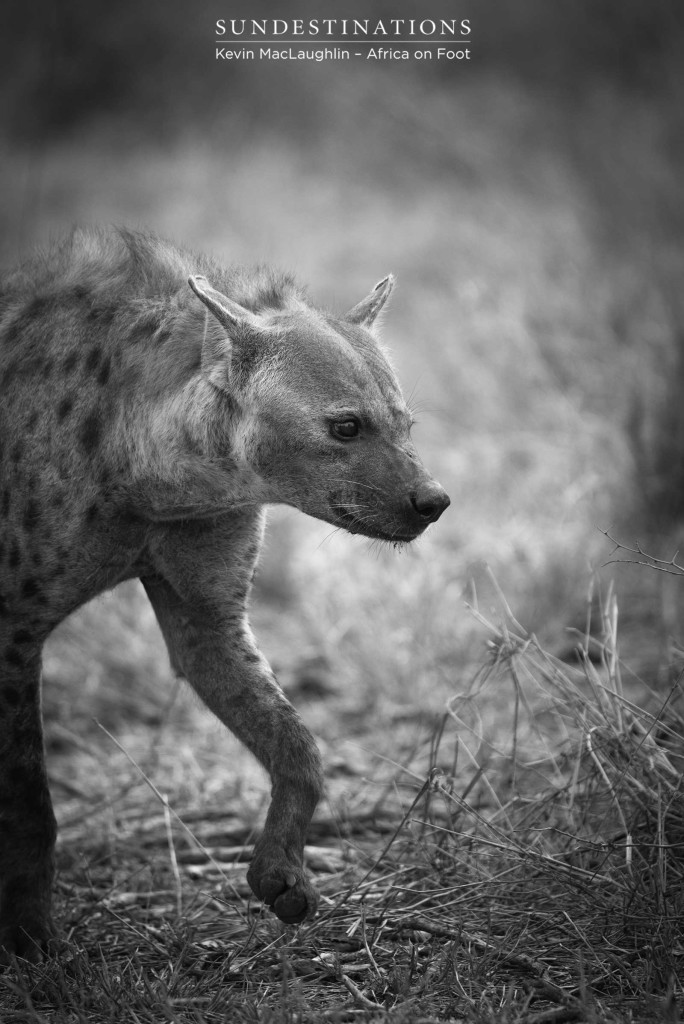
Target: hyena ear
217	347
365	313
228	313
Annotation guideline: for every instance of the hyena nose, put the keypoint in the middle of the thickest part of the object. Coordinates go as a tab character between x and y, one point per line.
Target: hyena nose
429	501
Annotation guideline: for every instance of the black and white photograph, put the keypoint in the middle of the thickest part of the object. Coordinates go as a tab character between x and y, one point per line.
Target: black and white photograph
342	512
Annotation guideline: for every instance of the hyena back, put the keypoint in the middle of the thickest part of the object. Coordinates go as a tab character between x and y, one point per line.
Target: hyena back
144	424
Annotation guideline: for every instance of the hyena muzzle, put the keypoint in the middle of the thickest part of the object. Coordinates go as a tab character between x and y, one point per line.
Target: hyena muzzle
144	425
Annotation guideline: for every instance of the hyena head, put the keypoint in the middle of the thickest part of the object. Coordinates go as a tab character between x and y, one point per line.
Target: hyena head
320	417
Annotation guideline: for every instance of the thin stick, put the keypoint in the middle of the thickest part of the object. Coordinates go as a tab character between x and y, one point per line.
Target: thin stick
358	995
172	857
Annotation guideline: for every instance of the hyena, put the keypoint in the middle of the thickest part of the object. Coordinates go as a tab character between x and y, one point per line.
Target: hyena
152	403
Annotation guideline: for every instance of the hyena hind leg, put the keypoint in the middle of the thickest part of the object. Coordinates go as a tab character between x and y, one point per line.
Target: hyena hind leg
27	823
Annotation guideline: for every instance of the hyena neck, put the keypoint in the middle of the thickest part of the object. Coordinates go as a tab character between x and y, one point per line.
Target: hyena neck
186	458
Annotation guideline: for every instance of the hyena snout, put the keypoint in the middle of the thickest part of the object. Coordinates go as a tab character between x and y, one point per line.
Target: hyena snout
429	500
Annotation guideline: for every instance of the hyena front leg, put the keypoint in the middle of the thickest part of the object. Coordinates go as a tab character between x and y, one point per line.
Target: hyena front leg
216	653
27	823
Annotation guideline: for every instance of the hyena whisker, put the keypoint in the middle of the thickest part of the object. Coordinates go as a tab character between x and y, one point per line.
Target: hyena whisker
414	403
351	506
418	408
331	533
366	486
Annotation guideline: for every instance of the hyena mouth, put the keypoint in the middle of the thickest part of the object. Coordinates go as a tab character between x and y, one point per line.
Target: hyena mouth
368	525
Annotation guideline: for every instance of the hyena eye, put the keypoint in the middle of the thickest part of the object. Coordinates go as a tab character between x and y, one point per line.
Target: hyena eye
344	429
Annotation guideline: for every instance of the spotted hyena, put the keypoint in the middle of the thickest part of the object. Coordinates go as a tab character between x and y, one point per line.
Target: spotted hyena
152	403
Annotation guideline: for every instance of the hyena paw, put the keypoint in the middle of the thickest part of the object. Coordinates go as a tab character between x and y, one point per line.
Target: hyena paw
282	886
29	941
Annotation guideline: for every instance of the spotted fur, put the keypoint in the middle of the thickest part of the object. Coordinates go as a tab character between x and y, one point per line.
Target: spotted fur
151	403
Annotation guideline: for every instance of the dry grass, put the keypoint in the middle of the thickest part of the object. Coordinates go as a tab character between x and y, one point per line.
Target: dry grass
517	868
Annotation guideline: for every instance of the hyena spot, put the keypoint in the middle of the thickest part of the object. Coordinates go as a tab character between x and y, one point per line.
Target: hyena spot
90	432
15	556
93	360
29	587
31	515
13	656
64	408
103	375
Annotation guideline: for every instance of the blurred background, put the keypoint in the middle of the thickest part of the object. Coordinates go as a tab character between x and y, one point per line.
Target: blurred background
530	203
